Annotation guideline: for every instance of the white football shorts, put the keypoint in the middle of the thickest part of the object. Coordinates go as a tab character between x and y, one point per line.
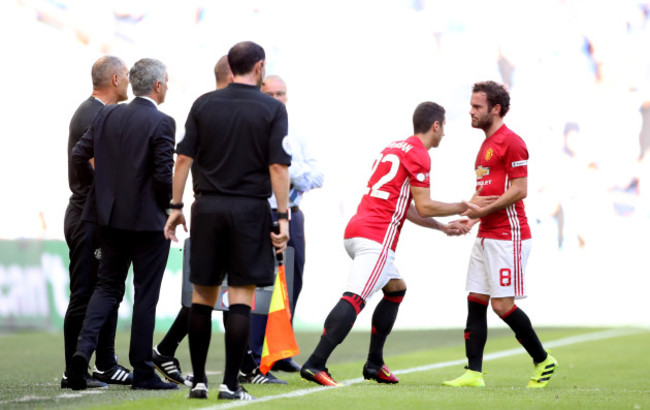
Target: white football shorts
372	266
497	268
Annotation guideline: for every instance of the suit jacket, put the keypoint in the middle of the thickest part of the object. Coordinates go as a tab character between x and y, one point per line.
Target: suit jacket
133	146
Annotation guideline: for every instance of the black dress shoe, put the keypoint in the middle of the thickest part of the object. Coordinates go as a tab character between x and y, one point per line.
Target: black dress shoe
91	383
153	384
77	373
287	365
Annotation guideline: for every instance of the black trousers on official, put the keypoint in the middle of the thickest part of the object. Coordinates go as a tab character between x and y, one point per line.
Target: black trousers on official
84	262
297	242
148	251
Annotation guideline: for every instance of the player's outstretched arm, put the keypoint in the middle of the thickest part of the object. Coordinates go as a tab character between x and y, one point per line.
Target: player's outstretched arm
427	207
479	207
451	229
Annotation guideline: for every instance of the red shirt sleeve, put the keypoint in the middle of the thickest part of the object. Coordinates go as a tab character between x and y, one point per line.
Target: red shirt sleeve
516	158
418	166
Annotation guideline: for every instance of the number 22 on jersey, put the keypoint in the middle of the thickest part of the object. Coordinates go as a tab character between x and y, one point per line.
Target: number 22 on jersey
375	190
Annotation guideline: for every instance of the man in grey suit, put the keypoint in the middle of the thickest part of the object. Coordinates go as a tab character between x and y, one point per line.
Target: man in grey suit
110	78
133	147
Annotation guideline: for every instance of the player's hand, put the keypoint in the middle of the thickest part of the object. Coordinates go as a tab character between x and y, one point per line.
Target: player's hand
280	240
175	218
482	201
458	227
451	229
474	211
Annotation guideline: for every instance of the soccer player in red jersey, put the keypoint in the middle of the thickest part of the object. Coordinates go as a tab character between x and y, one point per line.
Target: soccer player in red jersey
400	174
496	268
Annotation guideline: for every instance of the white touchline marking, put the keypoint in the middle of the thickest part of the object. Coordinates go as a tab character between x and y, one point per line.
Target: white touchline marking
605	334
600	335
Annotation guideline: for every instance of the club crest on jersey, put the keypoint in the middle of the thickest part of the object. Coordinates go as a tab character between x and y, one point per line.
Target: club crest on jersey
482	171
489	154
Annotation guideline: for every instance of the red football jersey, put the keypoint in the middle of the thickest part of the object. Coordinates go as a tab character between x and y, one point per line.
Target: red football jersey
381	213
502	157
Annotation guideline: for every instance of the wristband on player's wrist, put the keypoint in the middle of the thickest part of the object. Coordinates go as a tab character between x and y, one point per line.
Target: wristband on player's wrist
283	215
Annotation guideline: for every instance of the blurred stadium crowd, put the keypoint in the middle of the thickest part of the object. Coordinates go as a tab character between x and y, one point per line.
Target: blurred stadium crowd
578	72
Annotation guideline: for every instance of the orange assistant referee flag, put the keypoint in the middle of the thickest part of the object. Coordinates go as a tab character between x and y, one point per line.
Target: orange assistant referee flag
279	340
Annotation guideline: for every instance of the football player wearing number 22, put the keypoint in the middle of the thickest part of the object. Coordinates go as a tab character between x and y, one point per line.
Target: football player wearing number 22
398	189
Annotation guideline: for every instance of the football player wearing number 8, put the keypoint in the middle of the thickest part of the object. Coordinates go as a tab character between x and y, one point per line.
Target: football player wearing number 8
400	175
498	259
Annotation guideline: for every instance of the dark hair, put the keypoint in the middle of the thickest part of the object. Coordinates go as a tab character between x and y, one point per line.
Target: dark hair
243	56
425	115
496	94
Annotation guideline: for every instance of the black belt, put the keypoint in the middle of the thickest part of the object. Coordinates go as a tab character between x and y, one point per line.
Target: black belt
294	209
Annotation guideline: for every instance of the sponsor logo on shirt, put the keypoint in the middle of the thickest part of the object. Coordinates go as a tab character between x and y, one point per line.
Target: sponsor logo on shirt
489	154
420	177
481	171
520	163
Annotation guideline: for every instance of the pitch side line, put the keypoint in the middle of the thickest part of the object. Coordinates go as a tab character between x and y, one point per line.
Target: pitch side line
606	334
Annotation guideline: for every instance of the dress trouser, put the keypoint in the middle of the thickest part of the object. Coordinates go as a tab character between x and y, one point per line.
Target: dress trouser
148	251
297	241
84	262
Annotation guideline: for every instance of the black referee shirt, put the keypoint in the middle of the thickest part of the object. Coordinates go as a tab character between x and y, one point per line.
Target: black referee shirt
233	135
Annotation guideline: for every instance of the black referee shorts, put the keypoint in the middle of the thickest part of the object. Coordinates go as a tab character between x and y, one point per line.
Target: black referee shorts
231	235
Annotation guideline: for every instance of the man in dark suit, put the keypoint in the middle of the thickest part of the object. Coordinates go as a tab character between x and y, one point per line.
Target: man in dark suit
133	148
163	353
110	78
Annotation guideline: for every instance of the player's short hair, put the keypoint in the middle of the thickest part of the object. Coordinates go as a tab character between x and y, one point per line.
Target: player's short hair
144	74
222	71
243	56
496	94
425	115
103	70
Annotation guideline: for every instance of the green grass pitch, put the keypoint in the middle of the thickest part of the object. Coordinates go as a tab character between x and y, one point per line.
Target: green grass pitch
599	369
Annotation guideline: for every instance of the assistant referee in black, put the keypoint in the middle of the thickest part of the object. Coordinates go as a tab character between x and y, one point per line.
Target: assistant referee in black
237	137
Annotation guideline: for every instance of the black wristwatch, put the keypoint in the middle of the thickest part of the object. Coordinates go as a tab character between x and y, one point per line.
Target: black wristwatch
176	206
282	215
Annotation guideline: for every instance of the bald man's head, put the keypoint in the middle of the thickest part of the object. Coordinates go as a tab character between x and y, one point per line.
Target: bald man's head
110	79
222	72
104	68
275	87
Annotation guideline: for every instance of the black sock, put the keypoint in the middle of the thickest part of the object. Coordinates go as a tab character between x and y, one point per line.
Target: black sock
383	320
338	324
175	334
238	327
476	331
524	332
199	332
